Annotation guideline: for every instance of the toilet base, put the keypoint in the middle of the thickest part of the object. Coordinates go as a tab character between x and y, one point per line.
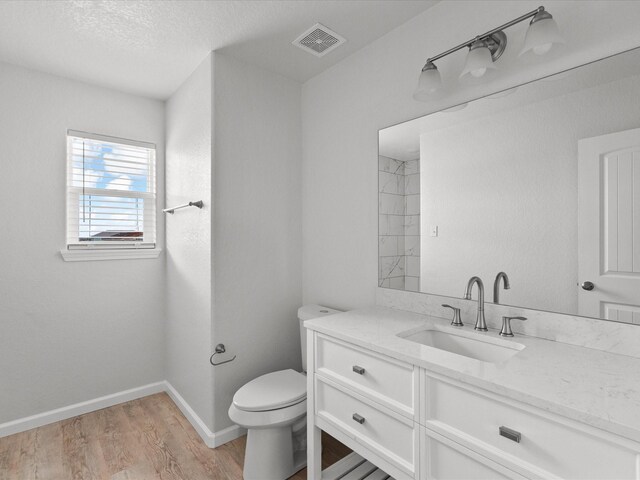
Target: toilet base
270	455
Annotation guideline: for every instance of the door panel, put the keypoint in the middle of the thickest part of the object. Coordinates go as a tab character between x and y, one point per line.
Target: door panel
621	313
609	226
621	193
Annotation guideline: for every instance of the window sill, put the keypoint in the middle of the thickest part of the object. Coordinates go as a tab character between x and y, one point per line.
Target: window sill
91	255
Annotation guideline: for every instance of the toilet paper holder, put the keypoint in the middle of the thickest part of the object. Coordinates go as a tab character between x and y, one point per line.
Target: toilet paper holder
220	348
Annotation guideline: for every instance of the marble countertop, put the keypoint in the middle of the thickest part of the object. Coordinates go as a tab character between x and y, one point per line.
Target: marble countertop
599	388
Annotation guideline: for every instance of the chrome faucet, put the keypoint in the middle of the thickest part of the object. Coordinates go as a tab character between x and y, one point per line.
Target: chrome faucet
496	286
480	322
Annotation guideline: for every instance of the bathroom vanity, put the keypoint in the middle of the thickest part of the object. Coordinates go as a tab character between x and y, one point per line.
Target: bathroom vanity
420	399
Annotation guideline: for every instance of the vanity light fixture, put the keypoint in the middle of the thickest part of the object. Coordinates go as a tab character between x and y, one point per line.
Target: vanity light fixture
485	49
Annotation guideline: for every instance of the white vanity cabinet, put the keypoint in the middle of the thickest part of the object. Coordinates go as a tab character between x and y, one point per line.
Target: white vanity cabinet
416	424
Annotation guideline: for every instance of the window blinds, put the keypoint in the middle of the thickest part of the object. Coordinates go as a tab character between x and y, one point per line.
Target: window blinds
111	192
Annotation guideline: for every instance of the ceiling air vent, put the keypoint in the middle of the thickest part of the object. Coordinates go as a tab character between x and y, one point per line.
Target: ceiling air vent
319	40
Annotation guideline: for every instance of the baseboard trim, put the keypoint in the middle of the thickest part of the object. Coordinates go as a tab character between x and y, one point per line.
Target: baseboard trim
211	439
52	416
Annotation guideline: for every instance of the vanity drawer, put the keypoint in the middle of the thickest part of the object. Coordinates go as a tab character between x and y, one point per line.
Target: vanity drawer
550	446
389	435
386	380
444	459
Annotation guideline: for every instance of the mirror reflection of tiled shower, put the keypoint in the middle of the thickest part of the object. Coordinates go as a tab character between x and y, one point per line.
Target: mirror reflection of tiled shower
399	224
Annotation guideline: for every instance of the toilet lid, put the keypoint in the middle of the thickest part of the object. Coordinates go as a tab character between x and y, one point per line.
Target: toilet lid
272	391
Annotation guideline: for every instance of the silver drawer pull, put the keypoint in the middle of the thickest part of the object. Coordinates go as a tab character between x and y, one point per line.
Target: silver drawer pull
358	418
358	370
510	434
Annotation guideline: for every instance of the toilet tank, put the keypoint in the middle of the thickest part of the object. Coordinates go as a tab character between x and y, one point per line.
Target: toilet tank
307	312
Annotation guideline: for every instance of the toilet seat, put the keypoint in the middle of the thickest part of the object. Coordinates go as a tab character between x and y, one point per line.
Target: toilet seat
269	418
272	391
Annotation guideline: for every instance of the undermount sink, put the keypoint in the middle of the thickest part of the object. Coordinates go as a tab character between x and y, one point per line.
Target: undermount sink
482	348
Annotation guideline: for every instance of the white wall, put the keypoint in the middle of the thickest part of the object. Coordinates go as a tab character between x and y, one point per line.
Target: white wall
233	269
69	331
257	228
344	107
188	275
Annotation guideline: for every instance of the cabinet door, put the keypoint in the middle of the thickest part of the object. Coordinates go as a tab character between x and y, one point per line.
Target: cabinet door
443	459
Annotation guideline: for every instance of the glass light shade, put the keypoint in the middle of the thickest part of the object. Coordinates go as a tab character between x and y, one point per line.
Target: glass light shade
541	36
428	82
478	62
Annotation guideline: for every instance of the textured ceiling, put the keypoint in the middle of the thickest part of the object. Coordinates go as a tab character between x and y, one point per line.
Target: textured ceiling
150	47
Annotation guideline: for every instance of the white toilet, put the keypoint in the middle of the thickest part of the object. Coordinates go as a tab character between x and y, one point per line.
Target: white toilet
273	408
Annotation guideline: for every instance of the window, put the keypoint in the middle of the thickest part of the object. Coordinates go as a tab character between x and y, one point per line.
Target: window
111	193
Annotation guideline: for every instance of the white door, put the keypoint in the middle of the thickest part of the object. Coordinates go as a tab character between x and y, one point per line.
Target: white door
609	226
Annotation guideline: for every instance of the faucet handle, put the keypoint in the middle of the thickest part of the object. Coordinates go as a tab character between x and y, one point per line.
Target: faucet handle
457	320
505	331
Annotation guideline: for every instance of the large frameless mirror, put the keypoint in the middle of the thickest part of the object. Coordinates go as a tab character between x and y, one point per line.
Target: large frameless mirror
541	182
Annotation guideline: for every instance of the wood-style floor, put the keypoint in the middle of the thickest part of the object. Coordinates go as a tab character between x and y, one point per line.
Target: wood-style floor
144	439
